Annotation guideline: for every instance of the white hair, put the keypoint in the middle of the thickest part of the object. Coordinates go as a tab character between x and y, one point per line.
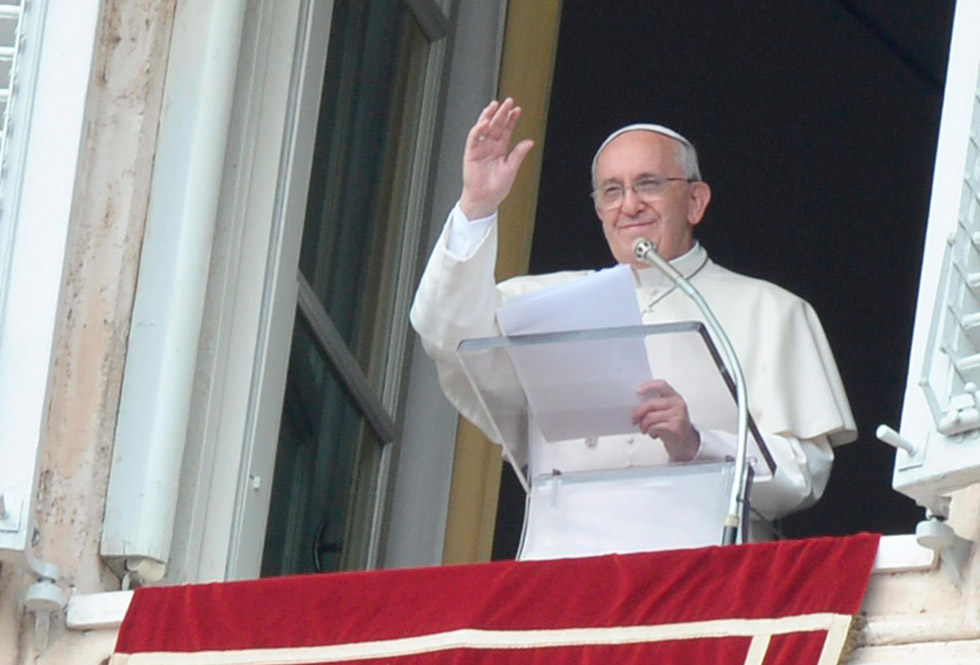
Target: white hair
687	156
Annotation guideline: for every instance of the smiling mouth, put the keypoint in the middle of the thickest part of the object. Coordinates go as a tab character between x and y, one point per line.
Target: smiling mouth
633	225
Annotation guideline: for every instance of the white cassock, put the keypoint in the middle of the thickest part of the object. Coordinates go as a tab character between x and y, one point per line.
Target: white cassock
796	396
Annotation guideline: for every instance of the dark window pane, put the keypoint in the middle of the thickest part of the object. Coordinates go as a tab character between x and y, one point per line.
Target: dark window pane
361	170
323	440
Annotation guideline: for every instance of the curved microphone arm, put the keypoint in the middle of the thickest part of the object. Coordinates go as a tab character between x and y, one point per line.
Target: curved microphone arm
645	251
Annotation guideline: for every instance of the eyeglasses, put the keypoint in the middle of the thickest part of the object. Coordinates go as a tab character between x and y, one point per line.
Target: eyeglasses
611	195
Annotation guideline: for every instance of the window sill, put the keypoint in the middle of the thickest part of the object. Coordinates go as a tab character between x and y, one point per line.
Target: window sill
97	611
900	554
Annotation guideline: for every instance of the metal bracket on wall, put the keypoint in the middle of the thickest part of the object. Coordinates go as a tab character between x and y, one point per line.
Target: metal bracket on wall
44	597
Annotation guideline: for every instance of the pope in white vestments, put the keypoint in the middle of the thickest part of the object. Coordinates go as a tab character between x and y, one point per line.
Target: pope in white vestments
646	184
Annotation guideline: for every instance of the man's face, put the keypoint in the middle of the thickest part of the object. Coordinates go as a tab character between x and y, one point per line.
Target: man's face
668	218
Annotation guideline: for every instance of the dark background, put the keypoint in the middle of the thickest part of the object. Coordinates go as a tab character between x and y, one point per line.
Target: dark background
816	125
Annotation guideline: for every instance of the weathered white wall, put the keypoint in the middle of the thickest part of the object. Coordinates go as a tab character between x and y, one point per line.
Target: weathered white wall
109	211
924	616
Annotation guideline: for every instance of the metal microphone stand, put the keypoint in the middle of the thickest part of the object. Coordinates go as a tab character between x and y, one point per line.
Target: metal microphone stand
645	251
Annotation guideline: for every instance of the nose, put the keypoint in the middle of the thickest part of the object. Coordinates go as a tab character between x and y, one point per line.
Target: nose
631	201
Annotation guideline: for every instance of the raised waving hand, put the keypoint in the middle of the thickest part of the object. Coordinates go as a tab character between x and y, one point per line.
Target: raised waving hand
489	163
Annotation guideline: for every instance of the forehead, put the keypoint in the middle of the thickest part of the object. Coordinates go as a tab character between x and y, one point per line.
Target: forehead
638	152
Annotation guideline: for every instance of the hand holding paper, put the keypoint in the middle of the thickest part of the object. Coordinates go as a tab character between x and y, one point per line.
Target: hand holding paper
588	394
663	414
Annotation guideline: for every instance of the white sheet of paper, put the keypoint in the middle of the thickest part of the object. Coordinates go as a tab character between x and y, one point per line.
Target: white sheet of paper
605	299
587	389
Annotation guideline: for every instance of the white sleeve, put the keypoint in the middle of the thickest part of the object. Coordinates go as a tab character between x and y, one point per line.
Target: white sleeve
802	470
457	299
466	235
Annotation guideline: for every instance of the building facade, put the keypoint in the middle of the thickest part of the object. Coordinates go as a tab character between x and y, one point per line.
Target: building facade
212	218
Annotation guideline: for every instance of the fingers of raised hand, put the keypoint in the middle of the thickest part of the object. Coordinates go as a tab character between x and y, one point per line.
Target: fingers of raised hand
517	155
478	131
503	120
495	125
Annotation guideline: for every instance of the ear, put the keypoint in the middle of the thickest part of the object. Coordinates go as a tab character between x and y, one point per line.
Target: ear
700	194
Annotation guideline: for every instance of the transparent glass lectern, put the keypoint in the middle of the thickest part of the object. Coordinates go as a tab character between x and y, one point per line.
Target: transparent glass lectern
547	393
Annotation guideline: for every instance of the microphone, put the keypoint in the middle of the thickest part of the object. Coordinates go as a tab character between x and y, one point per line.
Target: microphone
641	247
646	251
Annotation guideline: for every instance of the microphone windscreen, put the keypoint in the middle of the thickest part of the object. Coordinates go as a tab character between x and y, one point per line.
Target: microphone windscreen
642	248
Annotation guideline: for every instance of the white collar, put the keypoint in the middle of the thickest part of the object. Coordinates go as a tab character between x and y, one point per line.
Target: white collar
687	264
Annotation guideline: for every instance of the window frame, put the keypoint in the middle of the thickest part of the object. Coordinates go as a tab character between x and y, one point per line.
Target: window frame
251	297
938	606
226	475
942	464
